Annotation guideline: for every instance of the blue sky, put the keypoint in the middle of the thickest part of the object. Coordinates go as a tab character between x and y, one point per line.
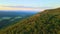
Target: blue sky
31	3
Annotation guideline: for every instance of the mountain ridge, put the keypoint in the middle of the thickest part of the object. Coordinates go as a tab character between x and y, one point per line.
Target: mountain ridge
46	22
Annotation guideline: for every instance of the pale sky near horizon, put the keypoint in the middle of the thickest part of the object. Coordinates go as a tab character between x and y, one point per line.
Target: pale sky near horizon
31	4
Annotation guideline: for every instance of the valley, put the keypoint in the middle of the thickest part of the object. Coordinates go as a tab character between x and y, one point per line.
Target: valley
11	17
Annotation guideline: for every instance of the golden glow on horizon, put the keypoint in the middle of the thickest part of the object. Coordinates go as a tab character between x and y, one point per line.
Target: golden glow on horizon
10	8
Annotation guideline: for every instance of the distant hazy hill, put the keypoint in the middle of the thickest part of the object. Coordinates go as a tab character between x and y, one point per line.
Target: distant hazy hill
11	17
46	22
16	13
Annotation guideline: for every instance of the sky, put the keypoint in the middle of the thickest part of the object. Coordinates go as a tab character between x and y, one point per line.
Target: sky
28	4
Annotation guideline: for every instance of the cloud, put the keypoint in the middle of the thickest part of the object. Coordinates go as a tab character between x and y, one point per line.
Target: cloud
19	8
23	8
13	8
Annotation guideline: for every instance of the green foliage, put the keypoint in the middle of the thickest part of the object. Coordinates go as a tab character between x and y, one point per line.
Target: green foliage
46	22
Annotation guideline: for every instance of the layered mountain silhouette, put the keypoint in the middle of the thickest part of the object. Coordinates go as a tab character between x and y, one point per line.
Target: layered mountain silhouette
45	22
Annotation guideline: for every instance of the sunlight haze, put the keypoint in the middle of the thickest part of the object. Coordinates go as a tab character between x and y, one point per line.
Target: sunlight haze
37	5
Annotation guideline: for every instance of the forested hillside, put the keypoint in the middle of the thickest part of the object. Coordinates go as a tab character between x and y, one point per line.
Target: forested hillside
45	22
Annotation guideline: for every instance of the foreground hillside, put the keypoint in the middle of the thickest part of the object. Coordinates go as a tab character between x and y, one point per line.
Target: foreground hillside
46	22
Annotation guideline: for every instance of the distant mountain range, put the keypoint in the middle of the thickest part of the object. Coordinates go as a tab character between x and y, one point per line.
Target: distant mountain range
16	13
46	22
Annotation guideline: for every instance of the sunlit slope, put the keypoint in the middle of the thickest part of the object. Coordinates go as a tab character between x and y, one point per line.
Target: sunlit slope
46	22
